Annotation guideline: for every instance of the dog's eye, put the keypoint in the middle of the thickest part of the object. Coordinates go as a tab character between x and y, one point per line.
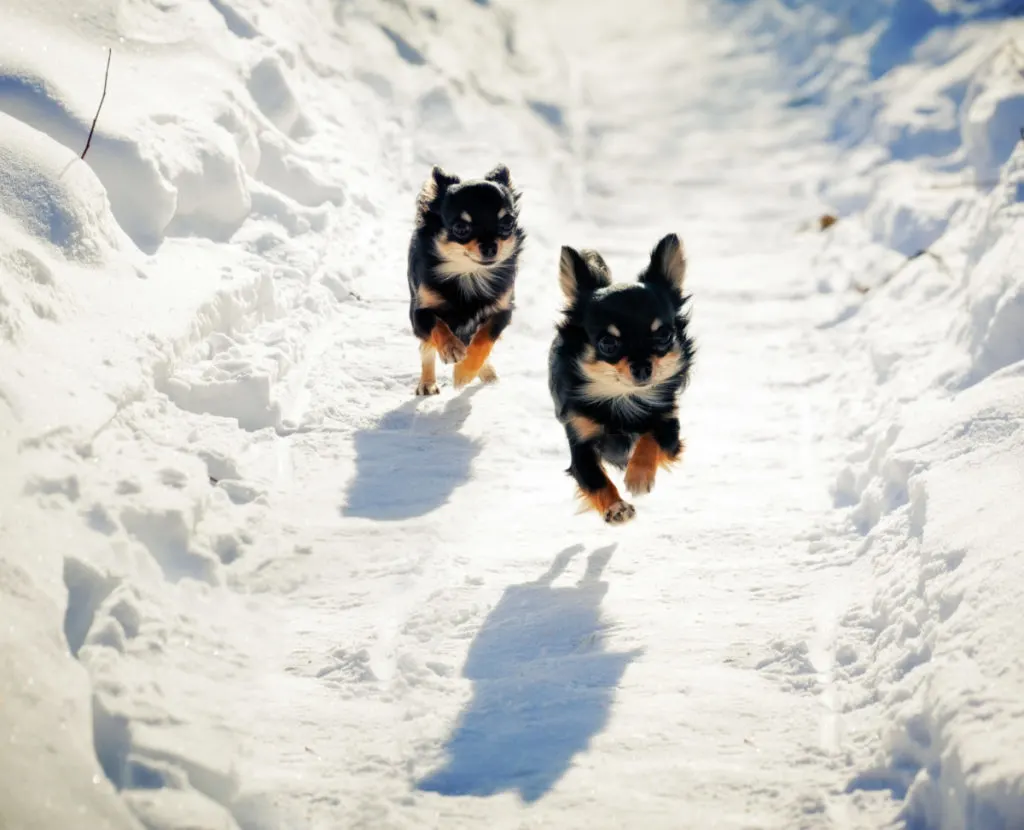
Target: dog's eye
608	345
461	230
663	336
505	225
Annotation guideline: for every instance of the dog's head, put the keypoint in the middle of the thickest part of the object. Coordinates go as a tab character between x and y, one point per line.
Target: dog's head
636	337
475	223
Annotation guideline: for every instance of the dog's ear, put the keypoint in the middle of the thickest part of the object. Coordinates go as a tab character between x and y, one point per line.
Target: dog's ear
443	179
433	189
668	264
598	267
581	273
501	175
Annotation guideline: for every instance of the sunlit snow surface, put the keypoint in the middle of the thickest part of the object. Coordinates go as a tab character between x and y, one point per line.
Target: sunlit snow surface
249	582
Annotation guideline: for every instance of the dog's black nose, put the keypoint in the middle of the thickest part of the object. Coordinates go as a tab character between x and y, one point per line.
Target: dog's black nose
641	372
489	250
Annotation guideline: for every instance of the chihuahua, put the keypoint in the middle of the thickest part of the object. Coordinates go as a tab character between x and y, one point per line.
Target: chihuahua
619	361
463	260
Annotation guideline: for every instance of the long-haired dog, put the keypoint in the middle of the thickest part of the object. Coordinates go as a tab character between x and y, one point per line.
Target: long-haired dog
618	363
463	259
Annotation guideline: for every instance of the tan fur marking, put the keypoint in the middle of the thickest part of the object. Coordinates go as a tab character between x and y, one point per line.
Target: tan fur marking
465	217
586	428
613	330
428	373
656	325
506	247
622	367
605	380
503	303
447	344
674	261
426	195
476	356
643	464
464	260
601	500
663	367
428	298
567	275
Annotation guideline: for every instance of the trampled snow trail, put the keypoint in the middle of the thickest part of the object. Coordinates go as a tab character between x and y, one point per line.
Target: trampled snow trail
445	641
249	582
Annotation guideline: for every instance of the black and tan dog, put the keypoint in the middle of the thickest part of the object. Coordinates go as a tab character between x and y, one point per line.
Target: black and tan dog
619	361
463	259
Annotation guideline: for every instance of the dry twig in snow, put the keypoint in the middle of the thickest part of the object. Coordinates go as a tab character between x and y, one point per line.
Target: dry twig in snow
92	129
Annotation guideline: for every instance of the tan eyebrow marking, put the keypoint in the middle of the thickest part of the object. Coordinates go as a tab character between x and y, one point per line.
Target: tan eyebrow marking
501	213
656	325
614	331
465	217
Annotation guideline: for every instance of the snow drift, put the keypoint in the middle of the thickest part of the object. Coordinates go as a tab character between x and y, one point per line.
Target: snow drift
927	100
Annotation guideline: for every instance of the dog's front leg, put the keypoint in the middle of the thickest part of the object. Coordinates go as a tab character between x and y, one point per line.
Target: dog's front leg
666	434
435	339
475	362
595	488
660	447
431	329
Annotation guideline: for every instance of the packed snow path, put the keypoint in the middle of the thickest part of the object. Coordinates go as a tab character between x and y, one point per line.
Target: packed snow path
300	597
452	628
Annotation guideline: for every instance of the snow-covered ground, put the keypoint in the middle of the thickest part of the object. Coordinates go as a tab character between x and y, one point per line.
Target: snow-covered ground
249	582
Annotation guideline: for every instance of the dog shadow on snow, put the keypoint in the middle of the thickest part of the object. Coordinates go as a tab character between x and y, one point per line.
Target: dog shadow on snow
543	687
410	462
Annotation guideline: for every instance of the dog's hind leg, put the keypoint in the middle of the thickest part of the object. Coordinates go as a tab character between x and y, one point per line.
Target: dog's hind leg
487	374
595	488
428	374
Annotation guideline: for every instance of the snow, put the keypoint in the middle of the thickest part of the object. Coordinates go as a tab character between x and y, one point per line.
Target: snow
249	581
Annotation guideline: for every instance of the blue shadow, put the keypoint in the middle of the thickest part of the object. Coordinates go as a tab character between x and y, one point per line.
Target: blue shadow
543	687
410	462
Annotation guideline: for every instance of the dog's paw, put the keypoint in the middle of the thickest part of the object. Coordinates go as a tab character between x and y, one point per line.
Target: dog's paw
619	513
462	376
427	389
487	374
640	480
452	350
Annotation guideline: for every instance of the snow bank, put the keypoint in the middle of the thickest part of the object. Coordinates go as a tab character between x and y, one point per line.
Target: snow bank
937	501
32	93
925	100
249	180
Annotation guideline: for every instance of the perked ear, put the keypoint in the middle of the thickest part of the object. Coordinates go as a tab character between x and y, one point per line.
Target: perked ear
434	187
581	273
668	264
500	175
443	179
